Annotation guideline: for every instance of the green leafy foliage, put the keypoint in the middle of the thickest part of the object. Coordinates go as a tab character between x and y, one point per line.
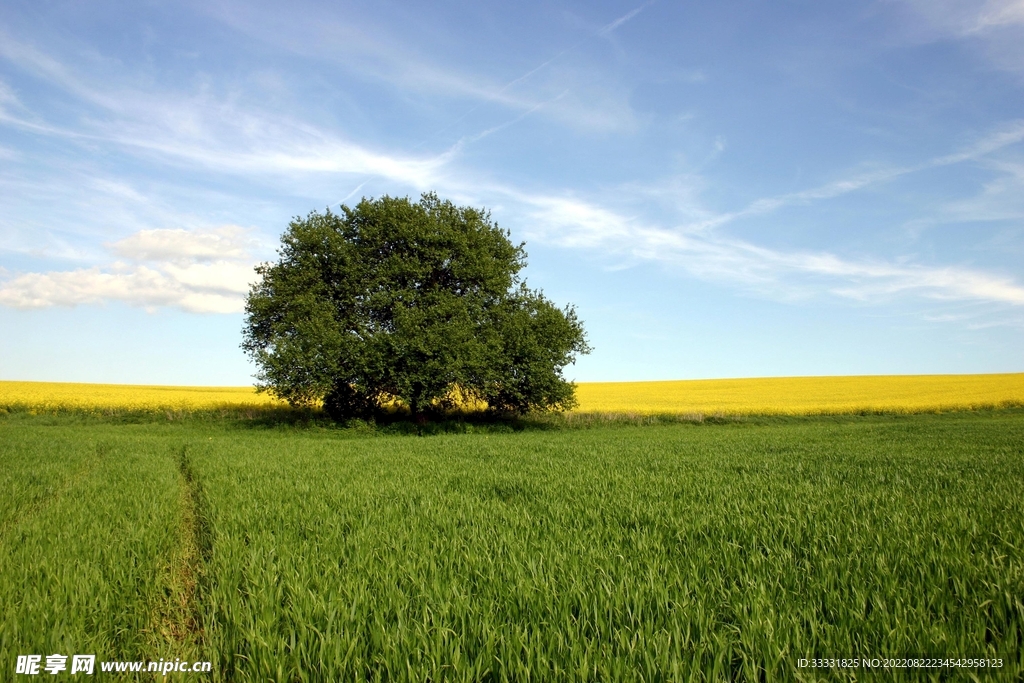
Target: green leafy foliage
420	302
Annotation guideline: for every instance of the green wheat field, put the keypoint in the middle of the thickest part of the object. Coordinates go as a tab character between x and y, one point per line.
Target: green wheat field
563	552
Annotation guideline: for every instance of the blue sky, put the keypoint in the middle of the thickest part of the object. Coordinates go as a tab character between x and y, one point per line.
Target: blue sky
722	189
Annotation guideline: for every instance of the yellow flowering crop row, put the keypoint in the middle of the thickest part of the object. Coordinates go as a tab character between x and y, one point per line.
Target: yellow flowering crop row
759	396
54	396
805	395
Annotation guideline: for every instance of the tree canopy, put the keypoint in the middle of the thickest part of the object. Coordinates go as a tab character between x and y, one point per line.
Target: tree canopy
416	301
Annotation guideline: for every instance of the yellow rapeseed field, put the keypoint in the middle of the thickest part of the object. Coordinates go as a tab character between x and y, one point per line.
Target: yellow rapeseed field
56	396
757	396
805	395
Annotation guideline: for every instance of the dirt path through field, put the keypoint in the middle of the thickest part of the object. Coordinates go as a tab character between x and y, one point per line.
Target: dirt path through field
180	622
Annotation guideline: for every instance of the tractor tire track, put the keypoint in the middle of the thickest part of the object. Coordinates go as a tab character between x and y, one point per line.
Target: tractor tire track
180	619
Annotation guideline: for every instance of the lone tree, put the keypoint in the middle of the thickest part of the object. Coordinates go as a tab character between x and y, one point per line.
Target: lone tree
420	302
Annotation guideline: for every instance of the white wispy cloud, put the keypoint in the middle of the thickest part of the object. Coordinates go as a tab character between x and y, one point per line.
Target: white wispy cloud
1000	13
201	129
371	51
1000	199
978	17
997	26
7	96
611	26
701	249
575	223
139	286
969	17
260	145
86	208
229	242
200	271
1010	133
45	66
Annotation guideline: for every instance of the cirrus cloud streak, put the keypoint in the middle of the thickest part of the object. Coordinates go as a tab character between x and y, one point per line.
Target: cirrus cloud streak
573	223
